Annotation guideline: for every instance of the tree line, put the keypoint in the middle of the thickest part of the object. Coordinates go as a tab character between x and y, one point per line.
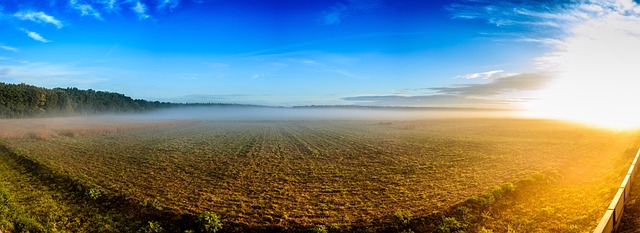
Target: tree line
23	100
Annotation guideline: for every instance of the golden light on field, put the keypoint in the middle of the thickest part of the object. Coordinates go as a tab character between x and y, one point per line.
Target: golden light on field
597	75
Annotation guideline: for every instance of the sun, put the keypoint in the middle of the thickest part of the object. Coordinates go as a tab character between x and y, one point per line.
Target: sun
597	77
590	101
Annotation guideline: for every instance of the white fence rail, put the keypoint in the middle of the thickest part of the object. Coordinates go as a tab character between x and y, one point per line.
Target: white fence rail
611	219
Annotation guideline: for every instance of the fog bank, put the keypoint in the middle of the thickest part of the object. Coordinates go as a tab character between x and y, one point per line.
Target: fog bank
253	113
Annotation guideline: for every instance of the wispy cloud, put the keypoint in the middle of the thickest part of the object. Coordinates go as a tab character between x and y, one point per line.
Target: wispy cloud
4	71
85	9
513	13
214	97
168	4
503	85
337	12
111	5
501	93
216	65
8	48
258	75
183	76
542	41
141	10
50	75
334	14
533	21
36	36
340	72
494	74
39	17
309	64
427	101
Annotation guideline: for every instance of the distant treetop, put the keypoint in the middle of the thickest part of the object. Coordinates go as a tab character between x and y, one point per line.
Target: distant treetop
23	100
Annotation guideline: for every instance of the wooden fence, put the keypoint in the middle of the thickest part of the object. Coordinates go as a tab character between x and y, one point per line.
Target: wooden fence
611	219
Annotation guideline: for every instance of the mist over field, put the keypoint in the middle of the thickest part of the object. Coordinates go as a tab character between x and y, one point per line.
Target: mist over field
339	116
261	113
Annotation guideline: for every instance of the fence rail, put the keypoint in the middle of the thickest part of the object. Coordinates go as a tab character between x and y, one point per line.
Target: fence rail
611	219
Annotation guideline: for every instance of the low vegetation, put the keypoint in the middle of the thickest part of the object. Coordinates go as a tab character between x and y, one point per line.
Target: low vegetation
485	175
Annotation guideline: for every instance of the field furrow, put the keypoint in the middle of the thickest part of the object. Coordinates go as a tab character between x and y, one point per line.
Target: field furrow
286	175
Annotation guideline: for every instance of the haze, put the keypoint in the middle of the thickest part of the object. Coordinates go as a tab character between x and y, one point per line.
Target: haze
569	59
253	113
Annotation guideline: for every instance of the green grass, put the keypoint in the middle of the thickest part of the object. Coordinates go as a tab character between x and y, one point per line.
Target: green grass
328	176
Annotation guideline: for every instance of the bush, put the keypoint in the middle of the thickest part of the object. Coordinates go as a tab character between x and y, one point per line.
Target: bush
153	227
24	224
209	222
465	213
485	230
402	217
508	187
94	194
504	189
5	197
450	224
319	229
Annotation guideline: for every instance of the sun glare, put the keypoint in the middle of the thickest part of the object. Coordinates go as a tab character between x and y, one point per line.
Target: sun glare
597	77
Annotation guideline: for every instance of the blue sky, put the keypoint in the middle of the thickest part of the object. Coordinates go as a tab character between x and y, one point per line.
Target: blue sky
467	53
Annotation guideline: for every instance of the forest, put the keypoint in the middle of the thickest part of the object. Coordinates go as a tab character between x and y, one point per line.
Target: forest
23	100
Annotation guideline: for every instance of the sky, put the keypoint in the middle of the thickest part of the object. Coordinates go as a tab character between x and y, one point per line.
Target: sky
540	55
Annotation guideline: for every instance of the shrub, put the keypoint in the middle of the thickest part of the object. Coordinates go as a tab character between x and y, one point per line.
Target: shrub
94	194
209	222
505	188
465	212
319	229
450	224
153	227
485	230
402	217
508	187
24	224
5	197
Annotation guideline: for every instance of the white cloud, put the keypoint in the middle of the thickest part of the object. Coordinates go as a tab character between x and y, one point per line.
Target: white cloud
494	74
111	5
36	36
85	9
543	41
8	48
168	4
39	17
141	10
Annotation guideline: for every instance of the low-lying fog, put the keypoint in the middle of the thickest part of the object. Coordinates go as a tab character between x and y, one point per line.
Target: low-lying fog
252	113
